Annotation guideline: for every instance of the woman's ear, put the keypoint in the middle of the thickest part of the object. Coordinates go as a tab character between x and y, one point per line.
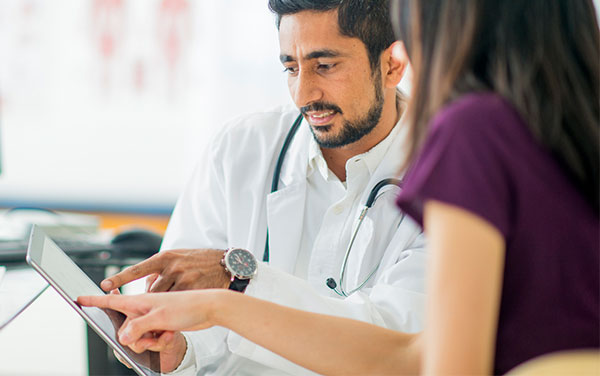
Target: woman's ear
395	61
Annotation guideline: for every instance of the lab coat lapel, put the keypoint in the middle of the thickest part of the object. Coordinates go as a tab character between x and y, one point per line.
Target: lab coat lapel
285	208
365	253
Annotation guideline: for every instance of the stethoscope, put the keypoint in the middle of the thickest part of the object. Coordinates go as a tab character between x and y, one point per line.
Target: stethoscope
330	282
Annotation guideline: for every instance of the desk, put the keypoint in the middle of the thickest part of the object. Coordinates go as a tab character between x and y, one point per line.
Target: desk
19	287
55	336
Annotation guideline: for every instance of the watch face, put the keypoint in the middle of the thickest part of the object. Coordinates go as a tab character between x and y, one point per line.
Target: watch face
241	263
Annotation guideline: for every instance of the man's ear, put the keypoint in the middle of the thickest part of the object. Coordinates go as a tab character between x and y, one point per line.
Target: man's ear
394	62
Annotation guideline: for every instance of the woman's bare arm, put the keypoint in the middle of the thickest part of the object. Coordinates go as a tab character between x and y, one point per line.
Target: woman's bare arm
325	344
464	286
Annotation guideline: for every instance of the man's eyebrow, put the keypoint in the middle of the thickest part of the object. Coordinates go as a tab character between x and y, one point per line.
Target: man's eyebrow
286	58
322	53
313	55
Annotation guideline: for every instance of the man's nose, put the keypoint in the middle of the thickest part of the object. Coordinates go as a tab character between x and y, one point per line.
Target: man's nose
306	89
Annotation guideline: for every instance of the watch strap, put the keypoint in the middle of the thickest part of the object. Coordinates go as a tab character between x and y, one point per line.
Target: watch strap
239	284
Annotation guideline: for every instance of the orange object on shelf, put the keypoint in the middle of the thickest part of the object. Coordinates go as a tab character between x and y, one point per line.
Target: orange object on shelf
121	221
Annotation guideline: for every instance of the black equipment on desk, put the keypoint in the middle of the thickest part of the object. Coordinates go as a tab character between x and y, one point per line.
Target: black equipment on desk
130	244
136	242
14	251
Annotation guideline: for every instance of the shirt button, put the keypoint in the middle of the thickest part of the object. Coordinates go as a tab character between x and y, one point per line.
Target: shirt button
338	209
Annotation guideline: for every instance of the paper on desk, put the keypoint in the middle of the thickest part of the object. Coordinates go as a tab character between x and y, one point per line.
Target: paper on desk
18	288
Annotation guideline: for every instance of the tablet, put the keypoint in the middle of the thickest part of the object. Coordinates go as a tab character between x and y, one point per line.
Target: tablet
71	282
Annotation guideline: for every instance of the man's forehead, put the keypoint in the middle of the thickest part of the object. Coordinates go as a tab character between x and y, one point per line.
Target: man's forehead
312	16
312	35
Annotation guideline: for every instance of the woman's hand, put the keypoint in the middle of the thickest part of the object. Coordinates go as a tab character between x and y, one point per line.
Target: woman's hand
159	312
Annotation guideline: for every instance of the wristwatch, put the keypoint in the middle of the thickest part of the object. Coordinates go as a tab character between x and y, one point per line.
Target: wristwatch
241	265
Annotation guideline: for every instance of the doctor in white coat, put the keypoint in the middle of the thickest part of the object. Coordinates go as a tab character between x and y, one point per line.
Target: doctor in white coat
343	78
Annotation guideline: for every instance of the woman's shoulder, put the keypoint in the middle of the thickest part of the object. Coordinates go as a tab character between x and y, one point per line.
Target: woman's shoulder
477	114
463	162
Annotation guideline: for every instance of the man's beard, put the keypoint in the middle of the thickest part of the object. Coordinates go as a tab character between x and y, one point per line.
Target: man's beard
351	131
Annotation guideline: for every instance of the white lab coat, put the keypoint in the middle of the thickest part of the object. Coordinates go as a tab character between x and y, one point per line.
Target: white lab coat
224	205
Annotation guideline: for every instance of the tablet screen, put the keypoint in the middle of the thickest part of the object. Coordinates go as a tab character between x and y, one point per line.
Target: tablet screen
71	282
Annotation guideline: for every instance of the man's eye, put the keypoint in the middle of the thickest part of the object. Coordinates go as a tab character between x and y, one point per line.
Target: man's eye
325	67
290	70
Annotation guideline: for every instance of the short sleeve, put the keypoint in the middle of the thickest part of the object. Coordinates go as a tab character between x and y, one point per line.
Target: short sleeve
463	163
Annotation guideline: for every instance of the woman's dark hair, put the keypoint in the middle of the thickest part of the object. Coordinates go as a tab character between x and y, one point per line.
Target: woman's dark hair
540	55
367	20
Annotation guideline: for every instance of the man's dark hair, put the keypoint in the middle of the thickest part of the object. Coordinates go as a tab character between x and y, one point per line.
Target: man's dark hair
367	20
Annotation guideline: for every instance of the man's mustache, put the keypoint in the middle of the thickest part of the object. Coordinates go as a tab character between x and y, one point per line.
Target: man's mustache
320	106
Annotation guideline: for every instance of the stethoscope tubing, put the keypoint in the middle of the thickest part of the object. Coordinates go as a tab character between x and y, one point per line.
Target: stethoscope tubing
277	171
370	201
339	289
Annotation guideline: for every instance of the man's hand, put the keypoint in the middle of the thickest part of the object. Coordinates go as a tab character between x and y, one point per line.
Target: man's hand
171	346
183	269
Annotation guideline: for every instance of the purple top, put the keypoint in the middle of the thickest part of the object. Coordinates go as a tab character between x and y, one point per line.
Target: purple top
481	157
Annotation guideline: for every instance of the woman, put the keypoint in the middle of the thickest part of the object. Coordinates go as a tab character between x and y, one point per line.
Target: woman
505	118
506	184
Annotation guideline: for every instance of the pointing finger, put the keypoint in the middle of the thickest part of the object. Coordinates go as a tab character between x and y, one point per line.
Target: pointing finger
119	303
152	265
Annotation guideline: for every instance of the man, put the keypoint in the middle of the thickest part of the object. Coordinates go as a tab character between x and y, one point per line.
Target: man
342	77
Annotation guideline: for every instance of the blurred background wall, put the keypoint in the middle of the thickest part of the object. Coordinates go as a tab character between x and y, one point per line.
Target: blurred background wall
107	104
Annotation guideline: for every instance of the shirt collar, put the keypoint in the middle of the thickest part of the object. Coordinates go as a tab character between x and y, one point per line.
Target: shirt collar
316	161
371	158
